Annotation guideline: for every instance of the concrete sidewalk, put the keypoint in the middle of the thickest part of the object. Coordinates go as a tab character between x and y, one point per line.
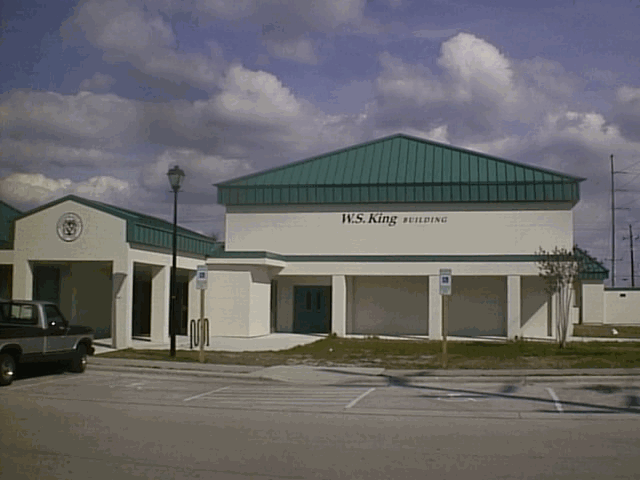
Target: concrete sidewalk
271	342
346	374
285	341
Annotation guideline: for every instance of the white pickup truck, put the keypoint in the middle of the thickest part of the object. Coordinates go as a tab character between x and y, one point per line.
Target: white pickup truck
35	331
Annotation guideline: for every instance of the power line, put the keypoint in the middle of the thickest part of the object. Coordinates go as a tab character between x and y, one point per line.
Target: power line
630	237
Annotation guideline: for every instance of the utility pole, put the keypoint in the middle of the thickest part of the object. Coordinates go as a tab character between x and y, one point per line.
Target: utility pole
633	278
613	228
613	223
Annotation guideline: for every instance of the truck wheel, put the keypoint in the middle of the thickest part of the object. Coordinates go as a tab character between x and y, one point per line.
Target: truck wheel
7	368
79	362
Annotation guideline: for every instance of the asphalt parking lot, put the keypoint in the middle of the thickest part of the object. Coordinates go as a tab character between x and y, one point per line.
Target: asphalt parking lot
347	392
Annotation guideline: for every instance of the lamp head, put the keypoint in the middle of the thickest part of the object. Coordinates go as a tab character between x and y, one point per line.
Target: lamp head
176	176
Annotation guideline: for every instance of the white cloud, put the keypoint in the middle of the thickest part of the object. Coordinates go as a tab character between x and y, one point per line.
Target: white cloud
36	189
476	68
99	82
201	171
33	154
626	112
84	115
400	81
130	32
480	94
628	94
252	95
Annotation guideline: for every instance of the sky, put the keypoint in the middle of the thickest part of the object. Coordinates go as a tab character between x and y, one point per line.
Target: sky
99	98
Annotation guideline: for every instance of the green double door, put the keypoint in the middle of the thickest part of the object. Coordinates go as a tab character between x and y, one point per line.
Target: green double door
312	310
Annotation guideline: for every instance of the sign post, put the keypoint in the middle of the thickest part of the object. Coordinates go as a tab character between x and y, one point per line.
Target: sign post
445	291
201	284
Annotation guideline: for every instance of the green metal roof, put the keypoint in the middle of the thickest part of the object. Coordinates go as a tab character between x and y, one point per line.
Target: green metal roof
145	230
7	215
591	268
400	169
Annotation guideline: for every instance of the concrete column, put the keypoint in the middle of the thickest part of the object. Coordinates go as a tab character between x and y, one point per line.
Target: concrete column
514	306
435	308
22	281
339	305
160	291
122	290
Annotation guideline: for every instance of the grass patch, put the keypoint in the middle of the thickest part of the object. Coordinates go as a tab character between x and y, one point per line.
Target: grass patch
607	331
408	354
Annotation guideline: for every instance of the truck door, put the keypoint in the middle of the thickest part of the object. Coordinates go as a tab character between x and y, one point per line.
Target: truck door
57	338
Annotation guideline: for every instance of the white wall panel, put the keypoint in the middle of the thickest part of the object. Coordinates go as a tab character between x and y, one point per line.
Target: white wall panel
397	233
478	306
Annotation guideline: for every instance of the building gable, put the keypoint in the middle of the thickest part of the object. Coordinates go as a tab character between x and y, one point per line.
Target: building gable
144	230
7	215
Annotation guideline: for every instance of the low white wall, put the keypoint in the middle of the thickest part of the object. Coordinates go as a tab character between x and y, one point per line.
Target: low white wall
593	303
622	307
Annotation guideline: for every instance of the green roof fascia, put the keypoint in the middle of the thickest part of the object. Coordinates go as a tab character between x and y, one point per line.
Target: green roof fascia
407	193
145	230
8	214
400	169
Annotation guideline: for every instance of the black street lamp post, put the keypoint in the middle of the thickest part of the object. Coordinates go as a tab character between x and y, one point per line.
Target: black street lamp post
176	176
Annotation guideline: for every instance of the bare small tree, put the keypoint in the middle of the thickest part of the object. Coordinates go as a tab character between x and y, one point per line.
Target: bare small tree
560	270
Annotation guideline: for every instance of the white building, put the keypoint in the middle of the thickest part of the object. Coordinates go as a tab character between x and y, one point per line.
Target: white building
349	242
352	242
106	267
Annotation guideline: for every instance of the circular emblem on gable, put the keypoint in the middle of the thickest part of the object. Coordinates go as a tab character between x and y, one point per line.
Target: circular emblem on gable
69	227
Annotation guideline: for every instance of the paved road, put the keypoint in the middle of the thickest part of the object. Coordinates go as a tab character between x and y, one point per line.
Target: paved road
123	423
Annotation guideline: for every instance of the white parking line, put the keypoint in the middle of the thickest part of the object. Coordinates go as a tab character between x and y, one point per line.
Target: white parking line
556	400
360	398
204	394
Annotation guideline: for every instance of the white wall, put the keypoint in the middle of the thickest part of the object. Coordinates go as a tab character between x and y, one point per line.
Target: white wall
622	307
330	233
228	303
534	320
103	236
391	305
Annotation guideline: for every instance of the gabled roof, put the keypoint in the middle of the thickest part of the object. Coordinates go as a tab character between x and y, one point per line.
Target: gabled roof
143	229
7	215
400	169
